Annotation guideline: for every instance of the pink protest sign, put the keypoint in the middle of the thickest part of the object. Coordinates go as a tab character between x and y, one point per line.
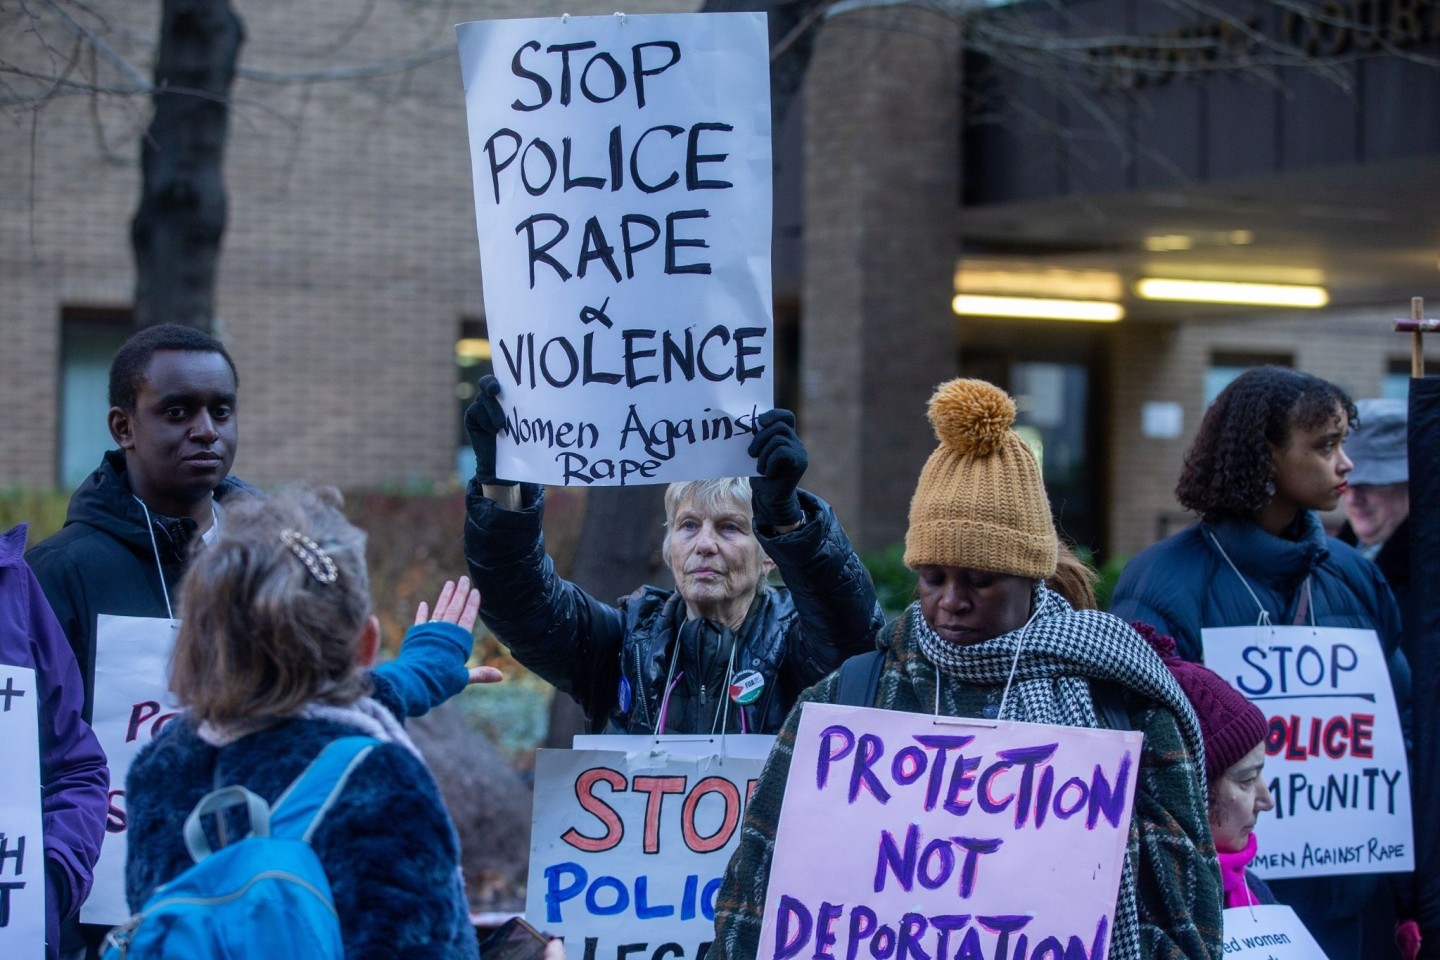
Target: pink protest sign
906	834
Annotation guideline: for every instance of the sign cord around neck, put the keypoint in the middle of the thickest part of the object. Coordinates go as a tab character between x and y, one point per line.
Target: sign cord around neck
155	551
1264	618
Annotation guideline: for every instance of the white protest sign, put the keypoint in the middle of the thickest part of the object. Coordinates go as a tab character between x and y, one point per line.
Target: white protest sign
1270	932
22	847
623	199
1335	757
628	846
132	703
910	835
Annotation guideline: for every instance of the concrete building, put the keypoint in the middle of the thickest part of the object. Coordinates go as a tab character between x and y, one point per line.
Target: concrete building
922	161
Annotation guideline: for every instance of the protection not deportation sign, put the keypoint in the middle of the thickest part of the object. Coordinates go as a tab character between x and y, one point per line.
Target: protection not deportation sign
622	180
22	847
906	834
1335	756
629	844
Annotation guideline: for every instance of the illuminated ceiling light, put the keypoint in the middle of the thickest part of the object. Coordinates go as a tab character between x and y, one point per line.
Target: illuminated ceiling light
1034	308
472	349
1242	238
1004	278
1218	291
1166	242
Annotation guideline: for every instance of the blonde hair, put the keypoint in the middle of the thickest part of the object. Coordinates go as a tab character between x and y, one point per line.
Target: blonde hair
261	633
1074	579
712	496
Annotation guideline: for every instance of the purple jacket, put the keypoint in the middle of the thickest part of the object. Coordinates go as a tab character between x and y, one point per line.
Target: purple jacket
74	780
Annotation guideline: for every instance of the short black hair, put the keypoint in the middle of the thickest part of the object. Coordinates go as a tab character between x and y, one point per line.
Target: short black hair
128	367
1230	468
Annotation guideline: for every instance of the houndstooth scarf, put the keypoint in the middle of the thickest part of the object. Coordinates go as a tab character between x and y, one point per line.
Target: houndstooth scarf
1059	651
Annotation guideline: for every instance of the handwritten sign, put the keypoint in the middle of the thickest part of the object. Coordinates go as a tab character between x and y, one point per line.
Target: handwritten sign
22	847
1270	932
1335	756
623	198
132	703
909	835
628	848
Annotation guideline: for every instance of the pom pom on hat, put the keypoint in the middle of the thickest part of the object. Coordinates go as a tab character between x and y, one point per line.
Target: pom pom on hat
980	502
971	417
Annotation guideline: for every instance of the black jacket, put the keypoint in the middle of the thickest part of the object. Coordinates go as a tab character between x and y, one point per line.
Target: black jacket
615	660
104	561
1394	562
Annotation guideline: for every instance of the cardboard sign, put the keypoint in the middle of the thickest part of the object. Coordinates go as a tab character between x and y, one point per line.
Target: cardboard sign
911	835
629	845
623	199
132	704
1335	757
1270	932
22	847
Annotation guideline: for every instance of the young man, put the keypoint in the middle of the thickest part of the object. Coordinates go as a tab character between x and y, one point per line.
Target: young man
133	523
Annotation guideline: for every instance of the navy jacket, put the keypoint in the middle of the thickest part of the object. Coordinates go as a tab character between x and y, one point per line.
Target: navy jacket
387	844
1183	584
73	778
614	660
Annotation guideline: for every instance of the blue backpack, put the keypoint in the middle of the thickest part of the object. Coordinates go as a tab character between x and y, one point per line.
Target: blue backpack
265	896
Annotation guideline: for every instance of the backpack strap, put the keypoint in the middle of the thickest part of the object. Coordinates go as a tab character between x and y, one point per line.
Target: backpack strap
298	812
1110	709
860	679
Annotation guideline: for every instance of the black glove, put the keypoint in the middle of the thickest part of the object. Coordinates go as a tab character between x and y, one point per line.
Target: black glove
780	461
483	420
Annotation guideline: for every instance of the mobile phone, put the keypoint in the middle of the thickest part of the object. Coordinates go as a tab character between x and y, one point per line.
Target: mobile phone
514	940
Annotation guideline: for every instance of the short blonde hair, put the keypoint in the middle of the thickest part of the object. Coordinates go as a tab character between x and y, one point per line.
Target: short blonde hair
720	493
261	636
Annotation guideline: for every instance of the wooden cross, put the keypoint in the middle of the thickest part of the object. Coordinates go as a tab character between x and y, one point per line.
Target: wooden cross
1418	325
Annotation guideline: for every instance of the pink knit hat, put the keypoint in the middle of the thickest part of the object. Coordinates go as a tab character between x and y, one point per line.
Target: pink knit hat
1230	725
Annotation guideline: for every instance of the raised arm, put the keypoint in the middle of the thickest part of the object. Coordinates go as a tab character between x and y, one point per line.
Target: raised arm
550	625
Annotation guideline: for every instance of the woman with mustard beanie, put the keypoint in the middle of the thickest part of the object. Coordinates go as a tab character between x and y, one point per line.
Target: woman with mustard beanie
983	543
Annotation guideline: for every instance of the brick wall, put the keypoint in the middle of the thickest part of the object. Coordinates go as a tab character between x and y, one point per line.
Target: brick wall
350	255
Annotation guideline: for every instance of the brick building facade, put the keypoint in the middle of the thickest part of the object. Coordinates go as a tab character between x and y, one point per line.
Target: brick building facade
350	268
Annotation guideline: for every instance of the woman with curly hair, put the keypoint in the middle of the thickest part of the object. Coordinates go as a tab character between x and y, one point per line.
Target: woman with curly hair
988	637
1269	454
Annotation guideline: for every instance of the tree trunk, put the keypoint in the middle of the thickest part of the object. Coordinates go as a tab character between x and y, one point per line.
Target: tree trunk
177	228
619	550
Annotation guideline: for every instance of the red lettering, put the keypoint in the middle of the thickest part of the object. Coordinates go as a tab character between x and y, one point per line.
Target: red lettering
585	793
730	794
139	714
1362	728
656	788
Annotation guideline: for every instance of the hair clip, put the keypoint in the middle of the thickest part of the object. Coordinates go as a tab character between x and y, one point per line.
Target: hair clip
316	560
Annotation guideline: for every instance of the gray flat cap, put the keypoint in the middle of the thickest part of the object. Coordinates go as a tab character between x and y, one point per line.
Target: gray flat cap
1378	446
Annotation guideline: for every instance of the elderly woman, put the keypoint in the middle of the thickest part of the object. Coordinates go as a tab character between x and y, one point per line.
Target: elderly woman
983	544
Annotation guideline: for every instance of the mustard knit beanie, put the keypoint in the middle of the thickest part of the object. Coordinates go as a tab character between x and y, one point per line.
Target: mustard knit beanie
980	502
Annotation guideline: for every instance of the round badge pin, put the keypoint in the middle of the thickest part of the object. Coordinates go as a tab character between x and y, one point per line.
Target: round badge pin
624	695
745	686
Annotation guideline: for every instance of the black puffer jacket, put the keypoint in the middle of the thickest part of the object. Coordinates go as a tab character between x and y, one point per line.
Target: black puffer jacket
104	559
615	660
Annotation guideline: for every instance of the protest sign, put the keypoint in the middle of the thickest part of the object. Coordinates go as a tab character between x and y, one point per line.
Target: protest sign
132	703
1335	757
1269	932
22	847
628	845
947	837
623	199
